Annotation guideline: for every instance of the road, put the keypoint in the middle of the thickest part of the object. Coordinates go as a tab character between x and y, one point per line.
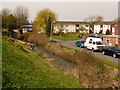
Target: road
71	44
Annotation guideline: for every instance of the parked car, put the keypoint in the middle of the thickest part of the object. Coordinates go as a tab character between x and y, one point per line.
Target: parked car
94	44
111	50
80	43
80	35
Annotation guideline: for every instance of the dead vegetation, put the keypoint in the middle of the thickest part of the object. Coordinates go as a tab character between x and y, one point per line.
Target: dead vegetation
34	37
90	72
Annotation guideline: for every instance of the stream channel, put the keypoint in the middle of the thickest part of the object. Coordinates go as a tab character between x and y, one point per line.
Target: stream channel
64	65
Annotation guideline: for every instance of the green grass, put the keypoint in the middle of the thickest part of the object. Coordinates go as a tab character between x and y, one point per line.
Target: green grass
24	68
67	37
109	63
66	47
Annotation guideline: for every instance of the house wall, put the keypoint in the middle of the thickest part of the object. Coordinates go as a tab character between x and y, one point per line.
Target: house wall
112	41
105	27
116	29
69	27
119	42
98	28
65	28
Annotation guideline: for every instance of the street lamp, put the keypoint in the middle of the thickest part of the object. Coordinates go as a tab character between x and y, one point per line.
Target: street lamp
51	30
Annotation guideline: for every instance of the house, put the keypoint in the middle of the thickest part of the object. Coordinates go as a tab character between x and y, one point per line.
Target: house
27	28
114	38
102	27
70	26
80	26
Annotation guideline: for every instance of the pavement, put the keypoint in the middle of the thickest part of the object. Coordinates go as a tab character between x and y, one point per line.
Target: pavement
71	44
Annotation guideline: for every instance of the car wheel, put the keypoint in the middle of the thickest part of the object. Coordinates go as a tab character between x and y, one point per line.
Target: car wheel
104	53
114	55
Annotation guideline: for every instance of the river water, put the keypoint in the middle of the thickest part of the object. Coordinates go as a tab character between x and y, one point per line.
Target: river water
60	63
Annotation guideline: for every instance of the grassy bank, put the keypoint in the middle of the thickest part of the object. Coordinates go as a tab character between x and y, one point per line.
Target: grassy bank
24	68
67	37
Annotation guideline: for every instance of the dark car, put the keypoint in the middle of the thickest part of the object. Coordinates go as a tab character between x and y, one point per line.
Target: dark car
80	35
111	50
80	43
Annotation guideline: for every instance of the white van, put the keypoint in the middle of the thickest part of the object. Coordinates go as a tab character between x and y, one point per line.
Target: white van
94	43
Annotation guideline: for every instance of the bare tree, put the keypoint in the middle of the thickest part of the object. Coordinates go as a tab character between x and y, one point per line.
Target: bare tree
5	13
93	20
61	28
21	13
81	28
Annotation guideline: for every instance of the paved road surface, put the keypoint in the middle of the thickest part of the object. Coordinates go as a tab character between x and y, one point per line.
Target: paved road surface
71	44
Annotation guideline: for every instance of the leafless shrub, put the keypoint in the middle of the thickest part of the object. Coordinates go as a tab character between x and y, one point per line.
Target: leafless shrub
90	71
35	38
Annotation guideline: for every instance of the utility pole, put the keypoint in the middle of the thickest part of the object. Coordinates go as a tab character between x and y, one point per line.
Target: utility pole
51	30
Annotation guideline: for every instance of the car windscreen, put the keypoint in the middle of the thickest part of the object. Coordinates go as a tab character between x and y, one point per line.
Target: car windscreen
115	48
82	41
99	43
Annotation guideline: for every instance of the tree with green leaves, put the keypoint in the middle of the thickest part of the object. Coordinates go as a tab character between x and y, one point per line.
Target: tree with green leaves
44	20
108	32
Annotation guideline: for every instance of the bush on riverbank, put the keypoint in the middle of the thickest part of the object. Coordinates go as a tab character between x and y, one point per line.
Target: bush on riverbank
90	72
34	37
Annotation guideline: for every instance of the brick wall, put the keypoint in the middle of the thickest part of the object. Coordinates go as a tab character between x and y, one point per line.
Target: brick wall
112	40
117	28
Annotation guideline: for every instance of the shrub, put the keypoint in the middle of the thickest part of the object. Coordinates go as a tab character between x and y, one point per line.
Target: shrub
35	37
108	32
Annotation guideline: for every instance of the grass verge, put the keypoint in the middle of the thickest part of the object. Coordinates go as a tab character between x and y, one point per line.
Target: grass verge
67	37
108	63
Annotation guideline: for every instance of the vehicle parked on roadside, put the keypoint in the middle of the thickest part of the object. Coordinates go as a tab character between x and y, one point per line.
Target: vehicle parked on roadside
80	35
94	44
111	50
80	43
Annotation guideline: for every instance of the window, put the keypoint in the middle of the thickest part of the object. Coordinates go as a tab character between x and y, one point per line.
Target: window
99	43
86	30
77	25
90	39
108	40
67	30
94	43
86	25
90	42
67	25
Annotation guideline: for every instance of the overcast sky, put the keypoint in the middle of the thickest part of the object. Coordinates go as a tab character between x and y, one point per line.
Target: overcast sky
69	10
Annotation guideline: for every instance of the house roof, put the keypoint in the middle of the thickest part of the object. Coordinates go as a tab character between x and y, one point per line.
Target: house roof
72	22
83	22
105	22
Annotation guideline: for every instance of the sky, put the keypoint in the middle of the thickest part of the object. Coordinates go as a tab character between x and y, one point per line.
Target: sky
72	11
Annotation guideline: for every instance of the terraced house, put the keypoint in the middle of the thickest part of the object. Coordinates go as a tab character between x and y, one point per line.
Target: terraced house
80	26
103	27
70	26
